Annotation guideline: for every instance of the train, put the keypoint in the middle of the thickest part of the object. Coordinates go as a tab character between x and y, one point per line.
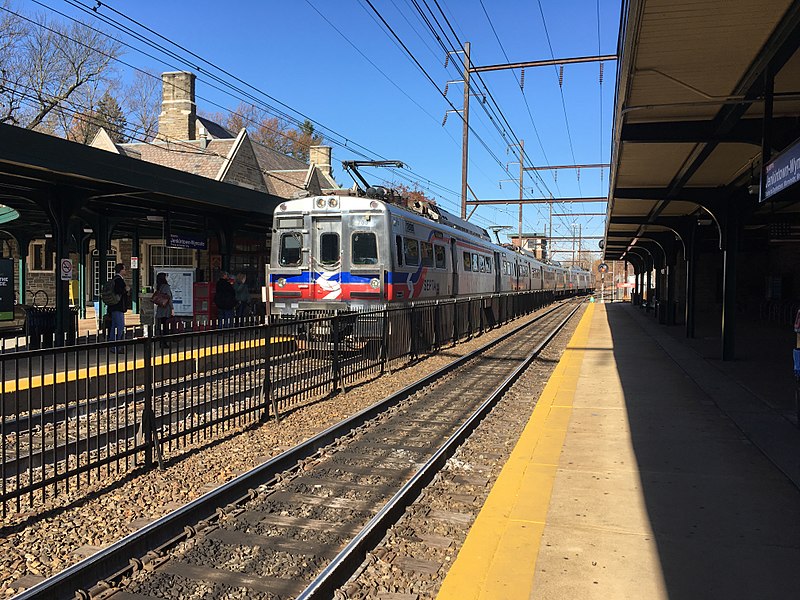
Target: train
365	251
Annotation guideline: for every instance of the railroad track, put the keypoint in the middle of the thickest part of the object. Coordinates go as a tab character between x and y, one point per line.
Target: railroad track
300	524
114	418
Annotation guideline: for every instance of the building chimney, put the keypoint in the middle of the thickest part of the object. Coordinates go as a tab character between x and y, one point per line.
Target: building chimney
178	116
321	157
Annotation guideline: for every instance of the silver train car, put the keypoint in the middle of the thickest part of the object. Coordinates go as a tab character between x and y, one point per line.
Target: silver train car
348	253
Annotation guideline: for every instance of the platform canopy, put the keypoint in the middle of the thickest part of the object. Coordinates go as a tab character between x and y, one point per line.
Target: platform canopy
40	173
689	122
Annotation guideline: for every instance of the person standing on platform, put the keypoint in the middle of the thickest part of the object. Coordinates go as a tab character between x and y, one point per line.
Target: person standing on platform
163	313
117	310
242	297
225	300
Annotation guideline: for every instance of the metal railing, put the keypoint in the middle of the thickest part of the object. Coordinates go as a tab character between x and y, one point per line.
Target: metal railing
73	416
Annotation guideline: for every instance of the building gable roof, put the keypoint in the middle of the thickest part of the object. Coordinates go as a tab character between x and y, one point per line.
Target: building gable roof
214	130
241	166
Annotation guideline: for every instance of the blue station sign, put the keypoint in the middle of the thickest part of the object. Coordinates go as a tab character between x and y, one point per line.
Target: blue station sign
782	171
187	240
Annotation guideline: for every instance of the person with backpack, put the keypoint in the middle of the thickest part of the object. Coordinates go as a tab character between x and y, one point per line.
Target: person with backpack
115	296
225	300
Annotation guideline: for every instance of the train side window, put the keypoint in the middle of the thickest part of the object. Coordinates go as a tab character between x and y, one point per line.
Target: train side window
475	266
467	261
488	265
364	248
411	252
426	250
399	246
329	253
439	256
482	260
291	249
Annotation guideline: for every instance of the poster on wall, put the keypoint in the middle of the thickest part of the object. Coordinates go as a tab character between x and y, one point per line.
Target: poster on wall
6	289
181	281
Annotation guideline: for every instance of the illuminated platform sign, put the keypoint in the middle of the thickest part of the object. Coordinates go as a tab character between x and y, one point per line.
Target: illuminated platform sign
782	171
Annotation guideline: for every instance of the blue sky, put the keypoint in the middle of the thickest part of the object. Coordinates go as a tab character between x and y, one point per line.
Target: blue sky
335	62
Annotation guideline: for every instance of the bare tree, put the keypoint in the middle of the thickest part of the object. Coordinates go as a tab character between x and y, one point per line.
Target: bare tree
271	132
51	61
12	31
143	104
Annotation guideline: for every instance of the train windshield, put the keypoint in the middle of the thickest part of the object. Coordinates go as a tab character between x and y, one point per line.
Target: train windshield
364	249
329	253
291	249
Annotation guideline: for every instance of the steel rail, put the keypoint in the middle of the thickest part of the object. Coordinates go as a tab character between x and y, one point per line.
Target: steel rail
347	561
94	574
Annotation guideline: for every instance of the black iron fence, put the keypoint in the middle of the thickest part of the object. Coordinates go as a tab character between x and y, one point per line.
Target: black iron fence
75	415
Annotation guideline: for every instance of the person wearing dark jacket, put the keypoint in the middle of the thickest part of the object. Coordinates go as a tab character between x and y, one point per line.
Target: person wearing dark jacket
225	300
117	311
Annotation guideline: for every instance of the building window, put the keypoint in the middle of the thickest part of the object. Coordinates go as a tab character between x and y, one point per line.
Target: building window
40	258
111	262
164	256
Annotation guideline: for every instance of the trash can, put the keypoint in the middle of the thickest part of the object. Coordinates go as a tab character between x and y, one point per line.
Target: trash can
40	326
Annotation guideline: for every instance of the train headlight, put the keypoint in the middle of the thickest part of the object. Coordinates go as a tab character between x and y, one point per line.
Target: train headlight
281	282
320	202
374	283
333	202
282	206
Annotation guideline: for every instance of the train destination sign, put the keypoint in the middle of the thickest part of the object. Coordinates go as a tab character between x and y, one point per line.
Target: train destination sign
782	171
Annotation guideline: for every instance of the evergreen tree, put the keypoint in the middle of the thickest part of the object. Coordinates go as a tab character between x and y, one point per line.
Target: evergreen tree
110	117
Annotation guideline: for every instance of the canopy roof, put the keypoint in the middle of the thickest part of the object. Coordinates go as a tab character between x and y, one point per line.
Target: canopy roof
688	120
36	169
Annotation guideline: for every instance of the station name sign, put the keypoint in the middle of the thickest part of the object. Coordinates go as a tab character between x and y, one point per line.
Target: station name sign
782	171
187	240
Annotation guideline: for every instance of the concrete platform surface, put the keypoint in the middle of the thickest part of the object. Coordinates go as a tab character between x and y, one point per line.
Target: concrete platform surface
644	472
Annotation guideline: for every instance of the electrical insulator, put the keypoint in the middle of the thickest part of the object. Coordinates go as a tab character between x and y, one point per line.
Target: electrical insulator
446	87
560	75
601	73
444	120
483	99
578	171
522	79
555	176
446	60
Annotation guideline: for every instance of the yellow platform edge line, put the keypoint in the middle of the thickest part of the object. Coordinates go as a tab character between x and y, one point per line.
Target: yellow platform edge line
498	558
37	381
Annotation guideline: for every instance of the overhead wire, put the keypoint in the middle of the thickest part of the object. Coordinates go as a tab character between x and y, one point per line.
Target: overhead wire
429	78
525	154
125	29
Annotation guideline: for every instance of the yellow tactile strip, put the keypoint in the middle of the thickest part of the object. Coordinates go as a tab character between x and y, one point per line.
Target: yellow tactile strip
499	555
114	366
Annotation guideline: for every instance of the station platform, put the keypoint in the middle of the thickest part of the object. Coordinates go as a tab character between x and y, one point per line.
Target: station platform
645	471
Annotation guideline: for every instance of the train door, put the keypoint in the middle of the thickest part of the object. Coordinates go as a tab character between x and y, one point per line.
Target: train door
326	257
498	273
455	263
